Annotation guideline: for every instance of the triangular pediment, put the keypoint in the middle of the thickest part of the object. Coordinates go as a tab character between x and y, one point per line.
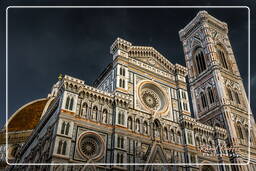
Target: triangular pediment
145	54
150	56
152	62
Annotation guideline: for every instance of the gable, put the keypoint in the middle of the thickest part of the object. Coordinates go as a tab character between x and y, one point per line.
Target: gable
157	155
152	62
150	56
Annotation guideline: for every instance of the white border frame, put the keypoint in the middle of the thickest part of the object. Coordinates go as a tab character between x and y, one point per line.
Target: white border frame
125	164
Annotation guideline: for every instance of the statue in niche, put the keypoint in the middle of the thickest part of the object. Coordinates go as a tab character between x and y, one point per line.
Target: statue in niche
157	129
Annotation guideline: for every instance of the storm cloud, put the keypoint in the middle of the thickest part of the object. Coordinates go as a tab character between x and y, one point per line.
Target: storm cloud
45	42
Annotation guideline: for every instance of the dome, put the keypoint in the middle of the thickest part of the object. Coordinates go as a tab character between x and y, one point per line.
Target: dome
28	116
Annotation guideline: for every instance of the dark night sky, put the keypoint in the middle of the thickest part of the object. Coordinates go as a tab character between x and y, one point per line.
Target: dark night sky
46	42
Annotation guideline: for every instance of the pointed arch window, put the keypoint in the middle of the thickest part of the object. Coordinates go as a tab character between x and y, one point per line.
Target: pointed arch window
237	97
180	105
210	94
229	94
121	83
239	131
185	106
120	142
222	58
184	95
203	99
62	146
123	71
67	129
119	158
67	103
63	126
71	104
200	61
121	118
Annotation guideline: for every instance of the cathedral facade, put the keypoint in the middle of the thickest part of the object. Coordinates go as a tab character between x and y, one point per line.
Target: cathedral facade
137	115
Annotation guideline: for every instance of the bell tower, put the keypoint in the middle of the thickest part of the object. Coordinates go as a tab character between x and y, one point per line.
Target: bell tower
217	91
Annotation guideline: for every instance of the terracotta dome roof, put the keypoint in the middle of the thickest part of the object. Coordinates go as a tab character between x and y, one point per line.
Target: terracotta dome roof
28	116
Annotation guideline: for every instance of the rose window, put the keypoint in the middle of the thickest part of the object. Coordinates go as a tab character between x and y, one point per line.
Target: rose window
91	145
153	97
150	99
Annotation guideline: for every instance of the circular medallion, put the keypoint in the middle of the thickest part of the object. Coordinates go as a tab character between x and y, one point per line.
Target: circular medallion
91	145
151	61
